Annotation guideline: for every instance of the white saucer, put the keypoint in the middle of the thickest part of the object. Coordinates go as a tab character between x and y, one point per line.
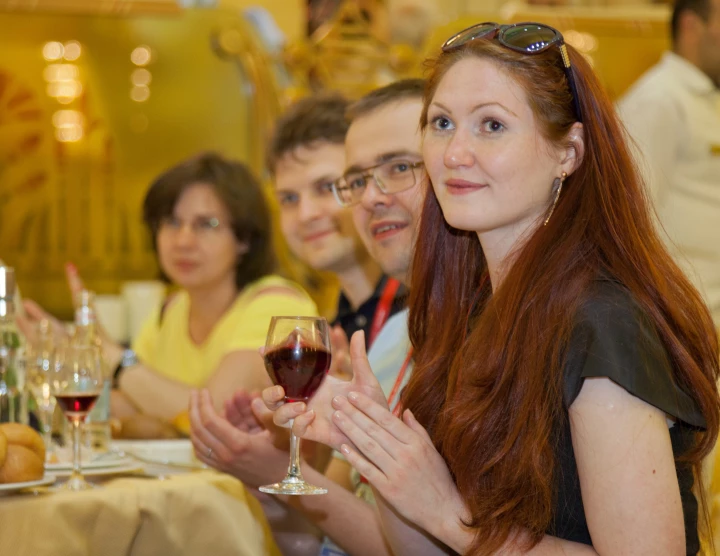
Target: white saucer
47	479
128	466
177	454
100	462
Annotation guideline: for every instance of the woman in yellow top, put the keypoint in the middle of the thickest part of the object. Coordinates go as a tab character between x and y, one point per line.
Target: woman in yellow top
211	231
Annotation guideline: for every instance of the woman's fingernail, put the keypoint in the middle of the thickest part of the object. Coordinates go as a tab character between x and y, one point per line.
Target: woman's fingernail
345	449
338	416
338	400
299	407
353	396
71	268
279	392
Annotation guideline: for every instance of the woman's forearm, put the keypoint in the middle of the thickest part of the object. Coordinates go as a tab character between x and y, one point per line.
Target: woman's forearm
160	396
154	394
551	546
349	521
404	537
450	535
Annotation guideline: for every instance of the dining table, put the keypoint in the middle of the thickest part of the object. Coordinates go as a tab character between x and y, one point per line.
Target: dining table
153	503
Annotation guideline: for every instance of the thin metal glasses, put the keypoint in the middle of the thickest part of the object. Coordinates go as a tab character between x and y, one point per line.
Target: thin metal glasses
390	177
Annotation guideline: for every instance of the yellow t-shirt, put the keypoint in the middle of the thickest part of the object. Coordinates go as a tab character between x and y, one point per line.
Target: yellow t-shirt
167	348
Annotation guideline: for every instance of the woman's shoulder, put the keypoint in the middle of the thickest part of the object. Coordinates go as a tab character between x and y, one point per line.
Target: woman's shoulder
614	337
174	307
272	285
607	297
246	324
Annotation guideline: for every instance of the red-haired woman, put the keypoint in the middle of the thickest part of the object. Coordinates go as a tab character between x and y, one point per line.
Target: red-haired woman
565	369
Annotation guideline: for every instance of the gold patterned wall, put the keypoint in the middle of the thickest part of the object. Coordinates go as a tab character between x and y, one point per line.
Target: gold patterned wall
91	109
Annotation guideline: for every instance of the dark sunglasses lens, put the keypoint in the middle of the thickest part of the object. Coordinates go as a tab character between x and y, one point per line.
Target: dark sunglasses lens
470	34
529	38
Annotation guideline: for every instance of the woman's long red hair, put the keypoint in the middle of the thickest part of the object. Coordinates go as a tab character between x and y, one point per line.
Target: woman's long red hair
492	397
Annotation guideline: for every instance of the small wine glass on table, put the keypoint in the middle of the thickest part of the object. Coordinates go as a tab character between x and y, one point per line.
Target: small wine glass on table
41	373
77	385
297	357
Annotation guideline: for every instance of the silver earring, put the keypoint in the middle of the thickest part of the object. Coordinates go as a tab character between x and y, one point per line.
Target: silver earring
558	188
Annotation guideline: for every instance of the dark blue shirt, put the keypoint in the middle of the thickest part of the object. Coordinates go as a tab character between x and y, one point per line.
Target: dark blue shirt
361	319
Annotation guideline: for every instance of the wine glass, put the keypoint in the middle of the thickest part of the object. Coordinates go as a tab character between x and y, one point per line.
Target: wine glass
297	357
41	374
78	384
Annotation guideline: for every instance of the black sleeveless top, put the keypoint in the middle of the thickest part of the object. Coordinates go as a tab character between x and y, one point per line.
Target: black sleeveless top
614	338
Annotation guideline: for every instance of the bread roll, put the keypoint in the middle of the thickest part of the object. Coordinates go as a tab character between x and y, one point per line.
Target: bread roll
23	435
3	448
21	465
22	454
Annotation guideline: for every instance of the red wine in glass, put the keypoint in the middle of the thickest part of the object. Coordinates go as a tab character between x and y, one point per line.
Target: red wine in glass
299	369
297	357
76	386
77	404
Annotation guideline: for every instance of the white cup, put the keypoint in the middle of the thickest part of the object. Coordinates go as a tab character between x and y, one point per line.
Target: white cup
111	312
141	298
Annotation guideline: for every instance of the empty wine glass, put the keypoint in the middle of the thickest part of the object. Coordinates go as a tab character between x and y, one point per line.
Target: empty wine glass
77	385
41	373
297	357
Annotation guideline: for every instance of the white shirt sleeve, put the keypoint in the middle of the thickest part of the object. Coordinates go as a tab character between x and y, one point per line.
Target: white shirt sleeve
656	126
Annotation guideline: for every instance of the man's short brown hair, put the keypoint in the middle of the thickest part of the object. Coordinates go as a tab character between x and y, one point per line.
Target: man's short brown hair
699	7
399	90
316	119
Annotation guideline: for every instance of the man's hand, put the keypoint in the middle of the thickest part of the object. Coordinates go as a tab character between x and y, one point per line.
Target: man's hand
239	412
256	458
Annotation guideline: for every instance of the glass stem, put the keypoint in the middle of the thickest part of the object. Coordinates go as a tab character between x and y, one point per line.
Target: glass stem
13	403
24	413
47	415
294	467
77	444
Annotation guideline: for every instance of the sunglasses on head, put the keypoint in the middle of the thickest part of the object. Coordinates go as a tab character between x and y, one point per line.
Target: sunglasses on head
527	38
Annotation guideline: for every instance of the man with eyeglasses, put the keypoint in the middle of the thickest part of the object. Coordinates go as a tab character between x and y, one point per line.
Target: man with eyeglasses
384	186
306	155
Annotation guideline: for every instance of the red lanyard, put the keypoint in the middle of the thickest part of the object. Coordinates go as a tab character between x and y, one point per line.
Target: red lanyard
382	311
398	383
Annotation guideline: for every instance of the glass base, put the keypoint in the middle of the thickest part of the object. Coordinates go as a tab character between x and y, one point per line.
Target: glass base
293	486
75	484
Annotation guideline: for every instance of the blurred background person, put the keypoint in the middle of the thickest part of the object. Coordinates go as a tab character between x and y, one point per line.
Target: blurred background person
210	229
673	114
306	155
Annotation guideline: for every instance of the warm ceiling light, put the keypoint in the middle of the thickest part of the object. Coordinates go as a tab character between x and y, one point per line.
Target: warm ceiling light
141	76
53	51
140	93
65	118
141	56
72	50
69	134
64	90
584	42
60	72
